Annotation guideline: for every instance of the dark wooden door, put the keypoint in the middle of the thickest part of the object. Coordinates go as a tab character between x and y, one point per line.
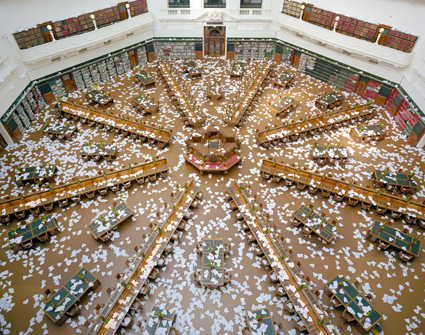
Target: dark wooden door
150	51
68	82
132	56
46	32
199	53
361	85
306	13
230	51
384	36
13	130
296	59
214	41
123	11
278	54
47	93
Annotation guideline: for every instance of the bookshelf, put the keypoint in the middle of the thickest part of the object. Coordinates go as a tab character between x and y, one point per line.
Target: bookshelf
38	99
307	62
254	50
105	17
322	18
29	38
406	119
23	116
291	8
356	28
73	26
138	7
94	73
111	68
57	87
401	41
18	122
27	109
122	63
78	80
142	56
88	81
103	70
371	90
390	100
172	49
287	55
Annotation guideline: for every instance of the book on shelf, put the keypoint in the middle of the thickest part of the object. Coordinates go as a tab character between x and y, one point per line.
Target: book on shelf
94	73
78	80
57	87
88	81
111	68
103	70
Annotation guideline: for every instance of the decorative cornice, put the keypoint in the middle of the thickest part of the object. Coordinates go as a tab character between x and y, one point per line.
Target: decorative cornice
60	48
335	40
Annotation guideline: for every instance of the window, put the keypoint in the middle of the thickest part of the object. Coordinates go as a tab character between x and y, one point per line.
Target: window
214	3
178	3
251	3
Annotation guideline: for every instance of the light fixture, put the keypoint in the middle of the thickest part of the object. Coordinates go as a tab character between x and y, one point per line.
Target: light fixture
49	27
337	18
127	6
92	16
302	6
381	30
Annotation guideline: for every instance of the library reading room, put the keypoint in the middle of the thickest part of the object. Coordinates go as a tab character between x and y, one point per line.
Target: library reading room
212	167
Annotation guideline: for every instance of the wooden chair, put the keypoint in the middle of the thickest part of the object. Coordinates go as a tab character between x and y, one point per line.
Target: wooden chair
145	290
73	311
49	207
105	237
88	324
136	305
289	307
44	237
383	245
347	317
110	290
28	245
335	302
49	293
154	274
405	257
98	308
127	321
119	276
129	262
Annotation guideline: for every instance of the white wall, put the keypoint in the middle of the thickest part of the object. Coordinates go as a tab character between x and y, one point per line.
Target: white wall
405	15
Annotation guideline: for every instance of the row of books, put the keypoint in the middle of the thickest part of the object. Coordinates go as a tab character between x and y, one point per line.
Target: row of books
57	87
77	25
371	90
173	49
254	50
291	8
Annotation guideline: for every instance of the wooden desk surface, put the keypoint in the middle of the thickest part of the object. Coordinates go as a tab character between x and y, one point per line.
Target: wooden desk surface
314	123
99	97
396	238
195	117
354	302
156	133
306	305
98	149
110	220
69	294
212	262
34	172
31	230
359	193
234	116
260	321
80	187
137	274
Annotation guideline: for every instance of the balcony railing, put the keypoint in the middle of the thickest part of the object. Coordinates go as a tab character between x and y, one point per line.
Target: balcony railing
57	49
346	44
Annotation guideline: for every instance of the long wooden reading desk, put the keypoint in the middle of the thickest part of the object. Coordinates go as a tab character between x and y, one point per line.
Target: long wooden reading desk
382	202
314	125
137	273
304	301
63	193
244	103
194	116
111	122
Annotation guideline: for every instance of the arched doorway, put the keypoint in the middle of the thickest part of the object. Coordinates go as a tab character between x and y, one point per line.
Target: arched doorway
214	41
